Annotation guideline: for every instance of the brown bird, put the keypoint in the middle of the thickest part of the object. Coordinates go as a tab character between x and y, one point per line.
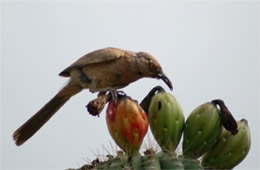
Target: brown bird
100	71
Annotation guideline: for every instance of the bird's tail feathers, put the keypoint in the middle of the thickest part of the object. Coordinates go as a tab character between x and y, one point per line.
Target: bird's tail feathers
31	126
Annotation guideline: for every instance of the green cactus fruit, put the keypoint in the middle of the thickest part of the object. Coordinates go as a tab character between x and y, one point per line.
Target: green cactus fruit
127	123
230	149
166	120
202	129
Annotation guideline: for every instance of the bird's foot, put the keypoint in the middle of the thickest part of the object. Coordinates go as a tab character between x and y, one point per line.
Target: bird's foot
121	93
115	95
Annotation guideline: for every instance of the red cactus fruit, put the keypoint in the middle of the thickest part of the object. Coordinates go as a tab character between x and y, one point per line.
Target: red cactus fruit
127	123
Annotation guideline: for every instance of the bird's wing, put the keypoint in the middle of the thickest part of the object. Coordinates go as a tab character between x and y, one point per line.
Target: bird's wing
98	56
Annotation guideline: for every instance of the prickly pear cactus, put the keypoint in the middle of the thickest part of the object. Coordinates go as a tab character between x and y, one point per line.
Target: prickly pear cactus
127	123
202	128
166	120
230	149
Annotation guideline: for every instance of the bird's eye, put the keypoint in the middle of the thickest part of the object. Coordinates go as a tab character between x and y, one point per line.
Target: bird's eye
152	67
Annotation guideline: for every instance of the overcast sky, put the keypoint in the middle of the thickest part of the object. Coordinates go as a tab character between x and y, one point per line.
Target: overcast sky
208	49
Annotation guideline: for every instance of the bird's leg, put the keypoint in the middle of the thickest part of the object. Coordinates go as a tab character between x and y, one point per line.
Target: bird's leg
113	94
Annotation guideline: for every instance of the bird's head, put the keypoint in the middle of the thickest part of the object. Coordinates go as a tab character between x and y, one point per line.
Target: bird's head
148	66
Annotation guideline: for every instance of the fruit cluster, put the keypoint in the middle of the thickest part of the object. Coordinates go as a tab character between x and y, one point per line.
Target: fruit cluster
212	138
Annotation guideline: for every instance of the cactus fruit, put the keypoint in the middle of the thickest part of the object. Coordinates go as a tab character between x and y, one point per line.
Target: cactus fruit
230	149
204	135
127	123
166	120
204	126
201	131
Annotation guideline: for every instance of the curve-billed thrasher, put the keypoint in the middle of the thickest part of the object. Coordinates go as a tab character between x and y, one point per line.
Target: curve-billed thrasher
103	70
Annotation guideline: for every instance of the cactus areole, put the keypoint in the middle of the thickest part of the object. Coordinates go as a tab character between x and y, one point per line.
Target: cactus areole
127	124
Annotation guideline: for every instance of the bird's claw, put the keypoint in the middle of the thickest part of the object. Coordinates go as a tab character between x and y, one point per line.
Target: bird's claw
113	94
121	93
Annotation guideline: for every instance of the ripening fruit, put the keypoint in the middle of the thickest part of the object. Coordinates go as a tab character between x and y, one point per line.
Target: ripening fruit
127	123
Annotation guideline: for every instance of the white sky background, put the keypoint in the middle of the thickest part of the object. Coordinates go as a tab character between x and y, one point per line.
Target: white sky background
208	49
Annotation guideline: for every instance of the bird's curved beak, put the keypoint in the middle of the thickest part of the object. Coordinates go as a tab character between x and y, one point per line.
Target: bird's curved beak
165	79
